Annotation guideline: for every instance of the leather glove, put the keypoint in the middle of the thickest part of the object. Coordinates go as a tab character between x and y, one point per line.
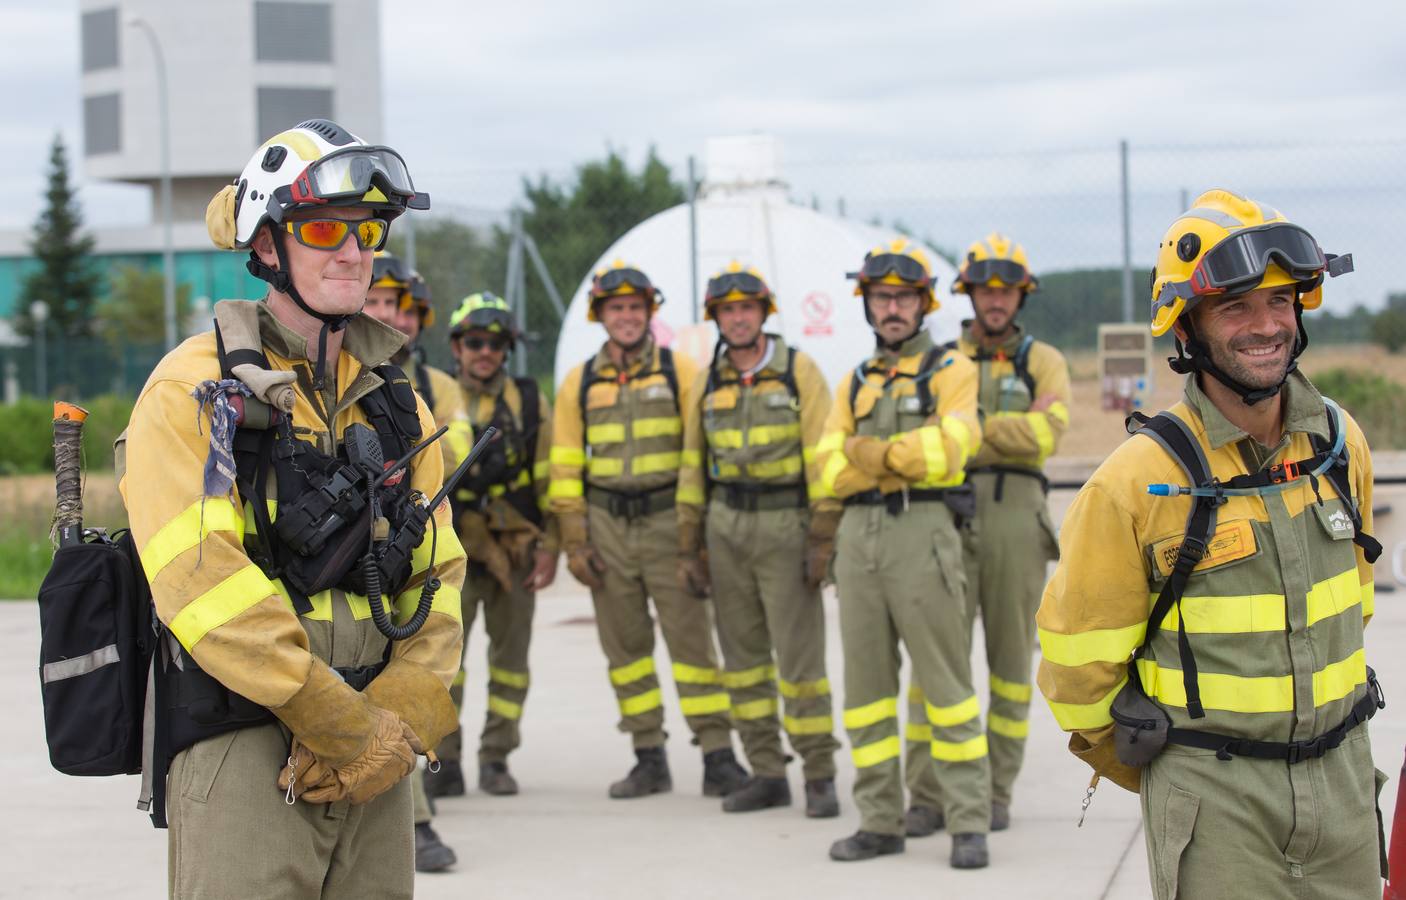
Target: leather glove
585	563
820	547
693	575
483	549
332	719
419	699
386	758
867	454
519	545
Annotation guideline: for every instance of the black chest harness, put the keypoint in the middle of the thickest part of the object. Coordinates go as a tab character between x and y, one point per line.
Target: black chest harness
507	459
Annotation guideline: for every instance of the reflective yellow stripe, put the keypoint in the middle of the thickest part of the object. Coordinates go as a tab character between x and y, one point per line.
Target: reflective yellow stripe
808	724
727	470
567	456
237	593
755	709
831	442
322	604
1060	412
934	454
606	433
565	488
541	469
959	751
187	530
446	549
690	494
640	703
605	466
1086	716
661	427
1263	612
870	713
777	468
705	705
505	708
686	674
1015	729
1044	437
956	714
1369	599
918	732
961	435
648	463
808	454
1335	595
633	672
1232	693
877	752
447	600
1101	645
831	473
757	435
1013	691
817	491
795	689
511	679
1337	680
749	677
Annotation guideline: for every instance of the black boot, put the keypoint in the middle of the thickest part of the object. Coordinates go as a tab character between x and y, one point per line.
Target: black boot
821	802
494	778
866	845
722	774
447	782
921	821
431	854
649	776
758	793
1000	815
969	851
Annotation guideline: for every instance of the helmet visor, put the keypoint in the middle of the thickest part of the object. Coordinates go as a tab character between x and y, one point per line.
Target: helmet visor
742	282
905	267
391	267
981	271
1239	262
612	280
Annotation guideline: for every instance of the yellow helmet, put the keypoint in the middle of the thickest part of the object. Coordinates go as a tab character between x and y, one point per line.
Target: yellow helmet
620	279
389	271
417	297
900	261
733	283
996	261
1228	244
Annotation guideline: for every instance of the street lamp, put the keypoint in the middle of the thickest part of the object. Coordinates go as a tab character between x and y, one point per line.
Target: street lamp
168	252
39	313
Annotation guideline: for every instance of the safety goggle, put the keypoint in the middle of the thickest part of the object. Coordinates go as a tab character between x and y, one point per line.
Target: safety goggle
612	280
742	282
393	268
983	271
495	342
1238	263
331	234
905	267
350	173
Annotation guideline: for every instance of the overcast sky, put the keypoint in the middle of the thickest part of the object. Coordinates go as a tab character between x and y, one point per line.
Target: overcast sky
898	111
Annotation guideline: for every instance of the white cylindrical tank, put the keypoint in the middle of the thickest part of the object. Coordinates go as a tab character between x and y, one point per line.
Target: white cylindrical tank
743	213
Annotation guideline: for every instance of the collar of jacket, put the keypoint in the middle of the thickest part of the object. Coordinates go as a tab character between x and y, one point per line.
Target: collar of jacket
776	365
369	342
916	345
1303	411
492	387
972	347
604	365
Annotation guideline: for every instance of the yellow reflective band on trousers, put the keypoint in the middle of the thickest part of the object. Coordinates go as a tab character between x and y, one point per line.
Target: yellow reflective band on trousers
1086	716
917	732
606	433
706	704
808	724
568	456
505	708
648	463
1245	694
793	690
959	751
686	674
504	677
1101	645
869	714
755	709
1265	612
1010	690
757	435
661	427
237	593
749	677
633	672
878	752
1015	729
640	703
187	530
956	714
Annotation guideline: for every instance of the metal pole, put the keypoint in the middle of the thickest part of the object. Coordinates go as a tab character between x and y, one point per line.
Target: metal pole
541	266
517	291
692	241
39	314
1185	201
1127	236
168	248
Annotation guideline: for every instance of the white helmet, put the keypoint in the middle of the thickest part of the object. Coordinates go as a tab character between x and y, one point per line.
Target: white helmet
315	164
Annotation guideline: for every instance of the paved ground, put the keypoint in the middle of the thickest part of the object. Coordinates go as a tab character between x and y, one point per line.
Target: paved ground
72	837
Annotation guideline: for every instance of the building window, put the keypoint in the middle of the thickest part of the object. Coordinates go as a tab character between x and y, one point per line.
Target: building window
292	32
280	108
102	124
99	39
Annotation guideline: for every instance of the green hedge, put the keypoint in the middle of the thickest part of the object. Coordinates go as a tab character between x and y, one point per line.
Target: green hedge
1377	403
27	433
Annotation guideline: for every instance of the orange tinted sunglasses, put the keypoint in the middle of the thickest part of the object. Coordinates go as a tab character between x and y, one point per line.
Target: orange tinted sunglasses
331	234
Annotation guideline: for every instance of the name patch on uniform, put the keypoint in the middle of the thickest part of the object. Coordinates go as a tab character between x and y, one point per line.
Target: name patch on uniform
910	404
1232	541
656	392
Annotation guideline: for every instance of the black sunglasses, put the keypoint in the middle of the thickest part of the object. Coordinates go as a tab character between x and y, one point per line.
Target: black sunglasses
478	343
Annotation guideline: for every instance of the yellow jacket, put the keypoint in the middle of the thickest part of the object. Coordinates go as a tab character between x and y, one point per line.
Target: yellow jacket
630	435
443	400
1274	613
237	623
1011	435
884	440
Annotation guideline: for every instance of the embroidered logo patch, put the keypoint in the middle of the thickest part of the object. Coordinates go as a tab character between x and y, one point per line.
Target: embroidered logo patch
1232	541
1339	522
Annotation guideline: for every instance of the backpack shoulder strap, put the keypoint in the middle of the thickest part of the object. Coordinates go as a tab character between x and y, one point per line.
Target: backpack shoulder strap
531	410
392	408
922	382
424	385
1340	477
670	373
788	376
1021	361
588	378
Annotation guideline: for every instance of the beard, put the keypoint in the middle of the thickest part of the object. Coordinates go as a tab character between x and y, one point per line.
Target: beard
1267	374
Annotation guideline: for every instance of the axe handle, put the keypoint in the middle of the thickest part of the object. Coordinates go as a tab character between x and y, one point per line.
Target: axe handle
68	473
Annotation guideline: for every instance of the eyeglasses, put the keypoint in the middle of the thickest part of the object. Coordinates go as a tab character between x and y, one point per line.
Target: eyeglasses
495	343
1238	263
331	234
904	300
982	271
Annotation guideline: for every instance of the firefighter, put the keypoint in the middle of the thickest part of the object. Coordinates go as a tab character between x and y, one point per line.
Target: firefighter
617	445
770	532
895	448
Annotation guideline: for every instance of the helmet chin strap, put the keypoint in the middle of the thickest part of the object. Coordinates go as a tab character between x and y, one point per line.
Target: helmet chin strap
1193	356
280	280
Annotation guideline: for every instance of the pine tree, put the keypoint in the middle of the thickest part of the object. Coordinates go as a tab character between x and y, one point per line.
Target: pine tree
65	279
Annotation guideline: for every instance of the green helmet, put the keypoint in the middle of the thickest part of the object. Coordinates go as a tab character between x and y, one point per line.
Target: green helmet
484	311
